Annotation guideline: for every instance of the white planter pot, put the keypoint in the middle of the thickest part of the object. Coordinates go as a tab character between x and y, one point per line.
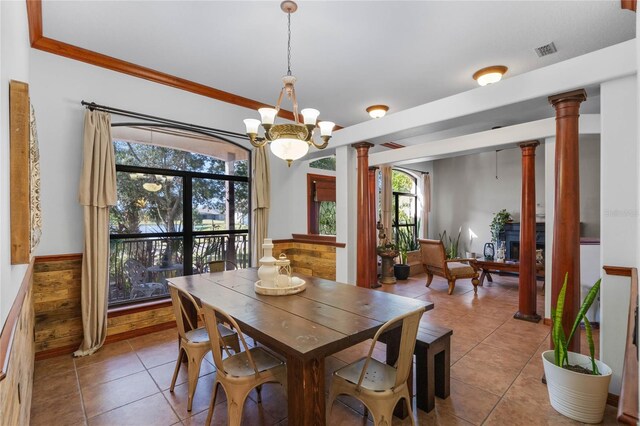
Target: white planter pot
581	397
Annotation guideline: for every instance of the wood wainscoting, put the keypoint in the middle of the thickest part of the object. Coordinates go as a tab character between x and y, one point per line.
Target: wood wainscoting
315	257
56	298
17	350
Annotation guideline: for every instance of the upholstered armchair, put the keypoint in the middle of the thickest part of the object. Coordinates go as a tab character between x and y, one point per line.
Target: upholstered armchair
436	263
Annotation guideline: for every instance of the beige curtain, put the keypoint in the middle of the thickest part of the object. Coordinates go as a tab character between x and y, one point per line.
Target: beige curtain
261	196
97	192
426	201
386	194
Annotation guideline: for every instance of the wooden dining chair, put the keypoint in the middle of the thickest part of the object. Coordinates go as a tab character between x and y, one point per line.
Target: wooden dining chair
194	340
377	385
239	373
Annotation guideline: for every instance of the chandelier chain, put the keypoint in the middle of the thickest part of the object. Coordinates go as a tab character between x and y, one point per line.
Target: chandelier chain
289	43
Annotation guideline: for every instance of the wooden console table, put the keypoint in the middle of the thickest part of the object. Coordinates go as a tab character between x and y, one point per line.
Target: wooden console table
507	266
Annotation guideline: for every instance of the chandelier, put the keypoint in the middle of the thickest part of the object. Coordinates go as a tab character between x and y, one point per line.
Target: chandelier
289	141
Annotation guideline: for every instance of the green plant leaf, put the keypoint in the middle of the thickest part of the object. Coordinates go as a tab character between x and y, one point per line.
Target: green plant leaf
557	331
592	350
588	301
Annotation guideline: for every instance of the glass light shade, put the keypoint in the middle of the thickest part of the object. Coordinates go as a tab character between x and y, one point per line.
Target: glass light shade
377	113
252	125
490	78
310	115
152	186
268	115
326	127
289	149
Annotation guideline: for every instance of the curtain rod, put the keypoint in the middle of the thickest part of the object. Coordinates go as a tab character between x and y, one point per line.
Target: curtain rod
412	170
92	106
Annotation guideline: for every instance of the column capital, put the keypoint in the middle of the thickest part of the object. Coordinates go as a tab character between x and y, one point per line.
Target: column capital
360	145
373	168
579	95
529	147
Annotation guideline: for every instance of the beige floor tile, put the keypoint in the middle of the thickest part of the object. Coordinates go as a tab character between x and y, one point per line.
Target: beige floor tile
468	402
342	415
153	410
110	369
518	342
253	414
502	356
54	384
104	353
163	374
484	374
48	366
460	347
170	335
513	413
66	409
158	353
274	400
201	399
116	393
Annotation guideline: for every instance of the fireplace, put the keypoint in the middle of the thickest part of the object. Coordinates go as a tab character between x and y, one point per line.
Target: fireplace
511	237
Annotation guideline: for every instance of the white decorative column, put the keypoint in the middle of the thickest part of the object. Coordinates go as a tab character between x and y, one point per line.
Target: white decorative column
346	214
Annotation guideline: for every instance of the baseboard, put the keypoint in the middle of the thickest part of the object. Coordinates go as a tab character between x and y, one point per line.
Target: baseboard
70	349
54	352
613	399
547	321
140	332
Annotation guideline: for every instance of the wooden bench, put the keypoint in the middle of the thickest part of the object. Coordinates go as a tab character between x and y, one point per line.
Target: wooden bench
433	355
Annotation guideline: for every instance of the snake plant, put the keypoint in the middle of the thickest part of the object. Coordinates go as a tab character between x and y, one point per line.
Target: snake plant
560	341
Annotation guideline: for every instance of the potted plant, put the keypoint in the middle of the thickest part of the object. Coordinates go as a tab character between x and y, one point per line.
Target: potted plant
497	224
577	384
407	240
401	270
450	245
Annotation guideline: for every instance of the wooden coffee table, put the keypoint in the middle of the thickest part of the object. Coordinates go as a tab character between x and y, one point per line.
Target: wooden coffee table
487	266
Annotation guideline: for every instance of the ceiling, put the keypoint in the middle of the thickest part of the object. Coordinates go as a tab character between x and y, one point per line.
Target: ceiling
346	54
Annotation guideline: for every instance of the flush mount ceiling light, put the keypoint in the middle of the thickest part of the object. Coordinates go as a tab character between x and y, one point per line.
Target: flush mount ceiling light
490	75
377	111
288	141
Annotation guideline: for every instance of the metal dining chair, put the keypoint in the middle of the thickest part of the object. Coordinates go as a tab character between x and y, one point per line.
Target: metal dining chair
194	341
377	385
239	373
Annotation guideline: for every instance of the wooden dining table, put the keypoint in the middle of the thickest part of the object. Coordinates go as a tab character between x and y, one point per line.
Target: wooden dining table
305	328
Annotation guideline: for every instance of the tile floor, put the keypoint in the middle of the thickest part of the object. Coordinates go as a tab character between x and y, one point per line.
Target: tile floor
495	373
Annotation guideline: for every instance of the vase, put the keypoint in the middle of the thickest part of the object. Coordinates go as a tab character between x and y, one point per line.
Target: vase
268	271
581	397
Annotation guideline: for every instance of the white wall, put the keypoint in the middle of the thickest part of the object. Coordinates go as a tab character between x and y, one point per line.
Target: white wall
288	214
59	84
467	193
619	205
14	65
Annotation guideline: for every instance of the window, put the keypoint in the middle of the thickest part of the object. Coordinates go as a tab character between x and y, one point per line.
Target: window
326	163
321	204
404	203
177	209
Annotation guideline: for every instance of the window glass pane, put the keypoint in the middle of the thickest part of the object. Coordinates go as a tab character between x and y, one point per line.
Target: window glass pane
241	197
147	204
210	205
327	163
327	218
241	168
209	248
406	209
139	267
402	182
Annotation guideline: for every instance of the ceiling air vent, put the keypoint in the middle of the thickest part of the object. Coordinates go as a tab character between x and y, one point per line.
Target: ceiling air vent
545	50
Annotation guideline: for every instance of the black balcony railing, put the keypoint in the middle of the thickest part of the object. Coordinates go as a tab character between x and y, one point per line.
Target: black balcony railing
139	267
